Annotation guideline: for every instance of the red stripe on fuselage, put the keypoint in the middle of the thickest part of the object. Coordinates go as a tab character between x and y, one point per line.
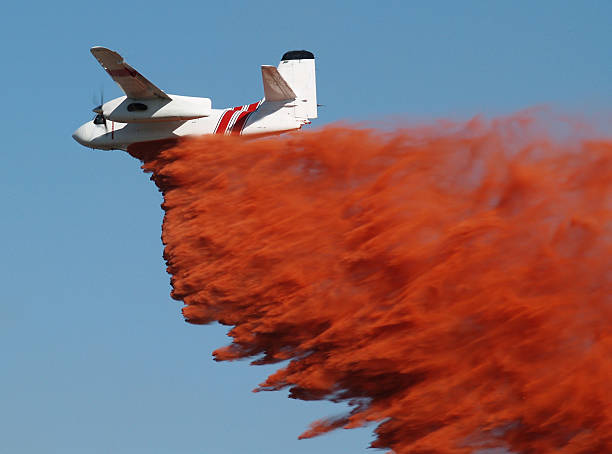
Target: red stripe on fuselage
243	116
239	124
226	118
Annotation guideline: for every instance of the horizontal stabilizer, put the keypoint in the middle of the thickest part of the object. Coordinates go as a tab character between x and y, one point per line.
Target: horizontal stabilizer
275	87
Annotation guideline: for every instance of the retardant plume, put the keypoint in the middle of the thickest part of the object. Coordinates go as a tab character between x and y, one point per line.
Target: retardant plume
451	283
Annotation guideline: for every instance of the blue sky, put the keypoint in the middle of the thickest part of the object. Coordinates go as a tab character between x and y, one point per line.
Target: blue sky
95	355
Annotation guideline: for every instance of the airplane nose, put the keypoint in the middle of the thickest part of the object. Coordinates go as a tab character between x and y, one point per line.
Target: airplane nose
81	135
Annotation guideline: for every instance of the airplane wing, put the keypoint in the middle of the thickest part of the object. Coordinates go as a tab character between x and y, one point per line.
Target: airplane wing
275	87
134	84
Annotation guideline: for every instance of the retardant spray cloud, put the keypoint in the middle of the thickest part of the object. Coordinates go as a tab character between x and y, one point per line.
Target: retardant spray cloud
451	283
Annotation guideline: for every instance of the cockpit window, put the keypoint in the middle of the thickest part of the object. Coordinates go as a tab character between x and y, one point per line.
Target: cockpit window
136	107
99	120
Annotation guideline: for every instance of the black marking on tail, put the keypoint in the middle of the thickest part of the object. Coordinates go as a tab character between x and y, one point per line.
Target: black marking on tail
298	55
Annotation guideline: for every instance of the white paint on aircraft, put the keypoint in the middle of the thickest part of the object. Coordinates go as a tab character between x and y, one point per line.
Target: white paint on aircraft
147	114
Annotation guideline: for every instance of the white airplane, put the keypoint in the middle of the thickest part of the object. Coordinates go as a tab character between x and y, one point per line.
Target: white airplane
147	114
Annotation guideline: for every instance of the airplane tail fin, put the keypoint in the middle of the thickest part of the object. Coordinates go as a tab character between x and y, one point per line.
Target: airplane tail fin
297	68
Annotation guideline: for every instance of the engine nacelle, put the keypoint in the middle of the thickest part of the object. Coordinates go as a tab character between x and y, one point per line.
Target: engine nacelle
127	110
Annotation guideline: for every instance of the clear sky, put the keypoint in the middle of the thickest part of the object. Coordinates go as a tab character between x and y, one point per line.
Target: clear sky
94	355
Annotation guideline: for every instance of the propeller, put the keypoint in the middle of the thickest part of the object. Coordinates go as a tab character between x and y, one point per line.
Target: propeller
98	109
100	118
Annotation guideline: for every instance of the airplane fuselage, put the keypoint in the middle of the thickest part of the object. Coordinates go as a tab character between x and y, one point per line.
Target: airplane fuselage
258	118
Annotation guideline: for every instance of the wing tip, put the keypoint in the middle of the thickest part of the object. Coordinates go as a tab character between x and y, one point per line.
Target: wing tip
98	49
101	50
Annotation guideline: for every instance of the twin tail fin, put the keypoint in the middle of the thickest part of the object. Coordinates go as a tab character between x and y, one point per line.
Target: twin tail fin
293	80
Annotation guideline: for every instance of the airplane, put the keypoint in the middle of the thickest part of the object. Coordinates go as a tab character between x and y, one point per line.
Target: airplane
148	115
